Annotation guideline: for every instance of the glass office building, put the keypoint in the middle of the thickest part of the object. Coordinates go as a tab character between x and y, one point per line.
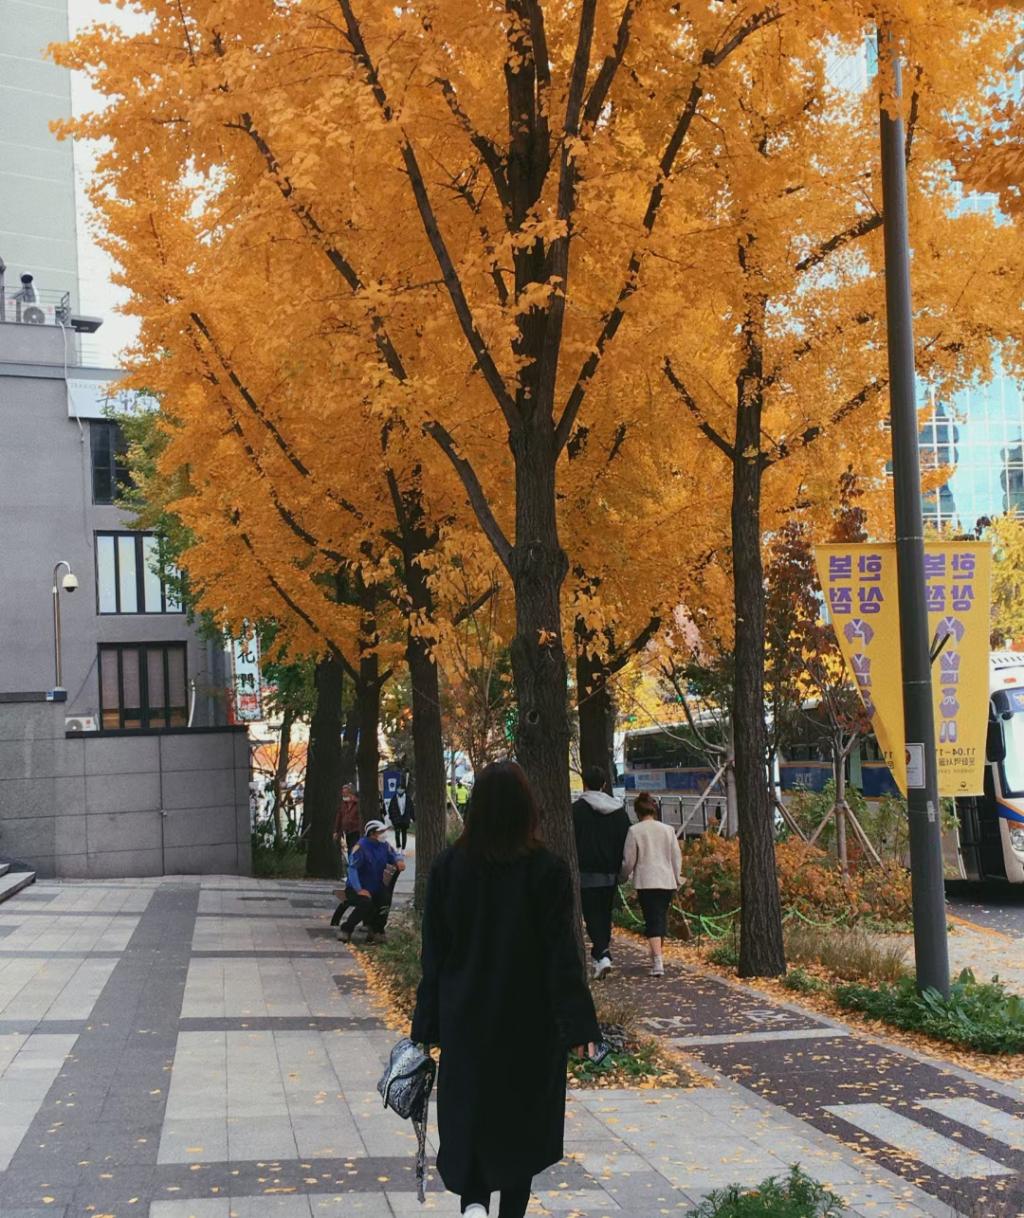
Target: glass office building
979	438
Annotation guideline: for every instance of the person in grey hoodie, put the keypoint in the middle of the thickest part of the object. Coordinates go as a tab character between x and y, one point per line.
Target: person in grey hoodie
601	824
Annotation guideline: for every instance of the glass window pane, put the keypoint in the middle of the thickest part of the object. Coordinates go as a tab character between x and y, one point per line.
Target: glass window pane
150	576
106	585
176	674
100	437
130	683
155	679
109	690
127	574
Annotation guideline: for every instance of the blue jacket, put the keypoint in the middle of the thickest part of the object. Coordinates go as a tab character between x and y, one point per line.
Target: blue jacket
367	862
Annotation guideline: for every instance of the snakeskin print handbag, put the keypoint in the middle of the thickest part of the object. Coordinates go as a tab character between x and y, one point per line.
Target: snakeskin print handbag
405	1088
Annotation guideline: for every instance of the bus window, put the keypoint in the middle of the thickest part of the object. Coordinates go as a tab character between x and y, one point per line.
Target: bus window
1008	721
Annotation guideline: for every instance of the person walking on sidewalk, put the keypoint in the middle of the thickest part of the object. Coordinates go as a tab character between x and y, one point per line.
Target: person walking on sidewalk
503	996
373	868
653	858
601	824
401	813
347	825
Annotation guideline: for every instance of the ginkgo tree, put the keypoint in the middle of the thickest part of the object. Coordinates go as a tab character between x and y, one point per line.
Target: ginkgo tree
495	211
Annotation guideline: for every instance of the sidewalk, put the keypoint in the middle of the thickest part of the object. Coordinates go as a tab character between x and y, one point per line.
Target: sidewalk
206	1049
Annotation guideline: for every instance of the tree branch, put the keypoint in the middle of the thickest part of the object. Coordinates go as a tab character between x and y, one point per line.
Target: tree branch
625	654
714	436
606	73
785	448
711	58
477	344
489	152
477	498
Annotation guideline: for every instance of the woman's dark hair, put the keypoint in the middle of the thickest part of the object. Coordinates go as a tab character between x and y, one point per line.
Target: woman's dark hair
502	818
646	805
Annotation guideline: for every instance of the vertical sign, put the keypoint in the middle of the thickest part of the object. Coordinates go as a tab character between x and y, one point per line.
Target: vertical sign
859	582
246	679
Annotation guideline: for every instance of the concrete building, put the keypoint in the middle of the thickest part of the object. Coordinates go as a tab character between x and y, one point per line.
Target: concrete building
37	181
129	769
115	756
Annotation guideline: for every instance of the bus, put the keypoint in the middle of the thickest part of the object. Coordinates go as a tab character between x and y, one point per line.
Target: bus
666	760
992	825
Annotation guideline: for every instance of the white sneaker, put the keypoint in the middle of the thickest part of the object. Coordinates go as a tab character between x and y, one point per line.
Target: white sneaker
475	1211
657	967
602	968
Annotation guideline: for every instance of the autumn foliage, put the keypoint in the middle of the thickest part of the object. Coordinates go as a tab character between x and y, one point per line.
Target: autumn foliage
587	295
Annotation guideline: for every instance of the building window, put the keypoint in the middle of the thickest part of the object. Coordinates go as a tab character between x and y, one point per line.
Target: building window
143	685
109	460
128	575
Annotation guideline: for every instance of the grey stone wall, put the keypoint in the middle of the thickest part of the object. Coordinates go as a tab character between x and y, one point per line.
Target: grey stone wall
168	803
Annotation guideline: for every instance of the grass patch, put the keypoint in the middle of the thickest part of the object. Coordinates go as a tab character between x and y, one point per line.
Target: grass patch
978	1015
794	1196
849	955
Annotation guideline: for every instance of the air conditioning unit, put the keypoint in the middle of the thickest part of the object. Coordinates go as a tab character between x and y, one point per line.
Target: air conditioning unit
81	723
31	313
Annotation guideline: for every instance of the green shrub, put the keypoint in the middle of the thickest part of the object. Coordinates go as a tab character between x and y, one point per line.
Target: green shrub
795	1196
803	982
725	954
978	1015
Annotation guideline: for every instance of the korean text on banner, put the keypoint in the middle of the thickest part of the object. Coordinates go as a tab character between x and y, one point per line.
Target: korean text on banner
957	581
957	577
861	592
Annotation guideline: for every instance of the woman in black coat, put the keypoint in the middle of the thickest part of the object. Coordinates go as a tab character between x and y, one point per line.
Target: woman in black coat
503	995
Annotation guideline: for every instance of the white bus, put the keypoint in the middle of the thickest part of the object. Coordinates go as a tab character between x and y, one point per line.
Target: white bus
992	825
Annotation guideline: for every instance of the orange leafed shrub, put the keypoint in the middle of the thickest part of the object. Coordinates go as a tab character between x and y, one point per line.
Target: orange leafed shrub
809	880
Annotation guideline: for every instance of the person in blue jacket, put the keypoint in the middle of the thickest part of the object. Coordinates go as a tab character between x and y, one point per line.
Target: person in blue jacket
373	867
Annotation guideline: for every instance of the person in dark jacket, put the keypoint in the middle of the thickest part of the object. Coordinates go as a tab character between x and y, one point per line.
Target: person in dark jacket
401	813
601	824
503	995
373	867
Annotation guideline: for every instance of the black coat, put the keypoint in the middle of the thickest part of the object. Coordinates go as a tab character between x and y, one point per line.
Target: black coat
503	995
398	818
600	838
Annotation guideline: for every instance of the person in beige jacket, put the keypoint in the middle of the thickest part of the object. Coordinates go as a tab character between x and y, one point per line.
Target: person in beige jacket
653	858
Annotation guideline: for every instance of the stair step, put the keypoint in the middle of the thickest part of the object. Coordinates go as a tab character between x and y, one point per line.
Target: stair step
4	868
14	882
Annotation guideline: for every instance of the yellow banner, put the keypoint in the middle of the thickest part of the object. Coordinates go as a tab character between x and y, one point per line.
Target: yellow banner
860	587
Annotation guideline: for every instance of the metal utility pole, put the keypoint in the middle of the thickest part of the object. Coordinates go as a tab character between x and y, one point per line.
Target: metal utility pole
931	952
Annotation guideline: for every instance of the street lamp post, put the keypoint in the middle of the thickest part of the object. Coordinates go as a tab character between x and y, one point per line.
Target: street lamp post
931	952
69	583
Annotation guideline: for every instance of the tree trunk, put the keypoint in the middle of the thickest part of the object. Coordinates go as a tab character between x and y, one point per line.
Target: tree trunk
761	947
281	774
368	748
595	709
539	670
732	810
428	752
323	771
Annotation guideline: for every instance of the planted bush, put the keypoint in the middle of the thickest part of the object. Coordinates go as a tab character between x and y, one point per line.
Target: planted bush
794	1196
982	1016
810	882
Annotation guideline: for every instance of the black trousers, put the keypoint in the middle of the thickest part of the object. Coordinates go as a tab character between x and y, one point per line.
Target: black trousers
513	1200
655	902
401	835
597	914
352	839
371	910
